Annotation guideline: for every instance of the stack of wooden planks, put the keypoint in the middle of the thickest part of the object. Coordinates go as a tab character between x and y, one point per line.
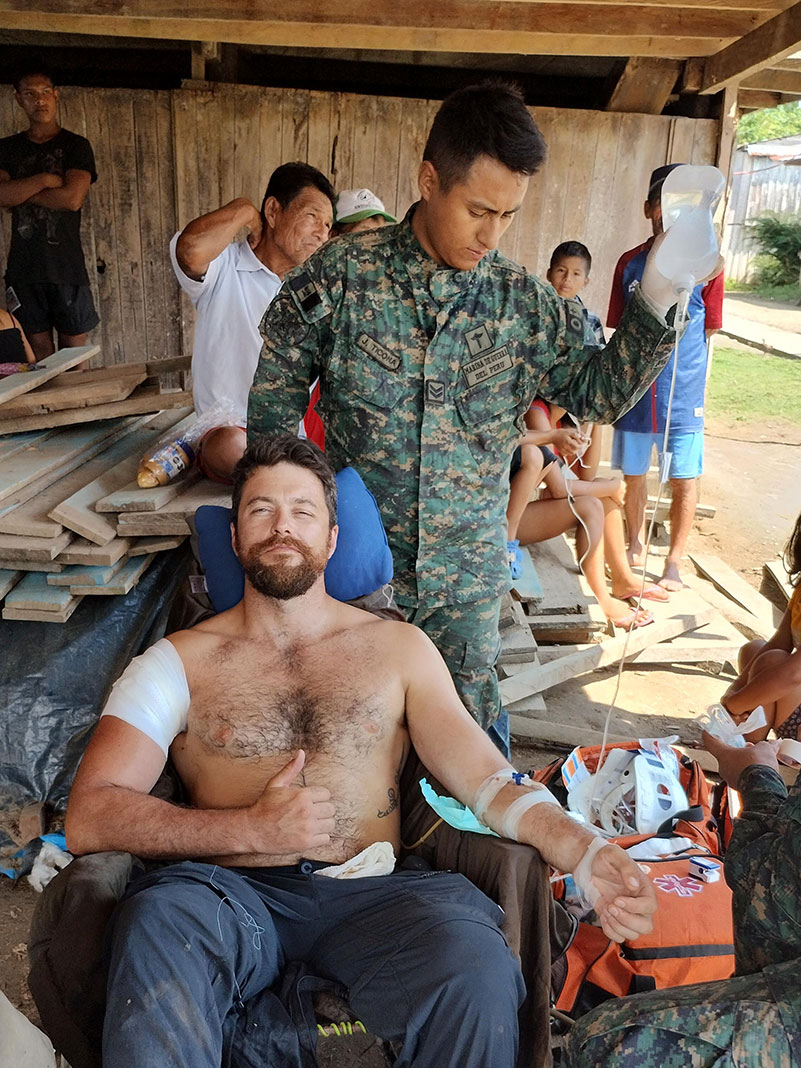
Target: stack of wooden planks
68	477
55	394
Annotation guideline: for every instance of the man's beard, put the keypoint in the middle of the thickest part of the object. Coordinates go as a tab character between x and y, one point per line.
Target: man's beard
279	578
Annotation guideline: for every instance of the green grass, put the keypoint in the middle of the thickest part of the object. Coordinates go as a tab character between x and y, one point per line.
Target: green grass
789	292
749	387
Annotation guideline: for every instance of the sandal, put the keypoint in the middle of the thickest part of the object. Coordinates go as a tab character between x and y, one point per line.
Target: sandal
651	592
633	620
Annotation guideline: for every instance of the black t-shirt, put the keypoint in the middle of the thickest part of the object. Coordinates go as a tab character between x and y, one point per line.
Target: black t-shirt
46	244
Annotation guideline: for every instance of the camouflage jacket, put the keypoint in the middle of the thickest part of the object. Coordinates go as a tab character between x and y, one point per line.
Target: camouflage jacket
425	374
763	868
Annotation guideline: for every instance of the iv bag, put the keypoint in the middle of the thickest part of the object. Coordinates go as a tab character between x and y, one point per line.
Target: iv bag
690	250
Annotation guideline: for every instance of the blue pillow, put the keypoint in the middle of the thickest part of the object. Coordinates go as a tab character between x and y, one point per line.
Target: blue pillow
362	561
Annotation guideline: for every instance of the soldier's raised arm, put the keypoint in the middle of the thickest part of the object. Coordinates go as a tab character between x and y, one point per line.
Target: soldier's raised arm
600	384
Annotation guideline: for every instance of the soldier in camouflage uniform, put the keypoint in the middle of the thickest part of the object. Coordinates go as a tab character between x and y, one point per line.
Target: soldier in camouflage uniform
430	346
753	1019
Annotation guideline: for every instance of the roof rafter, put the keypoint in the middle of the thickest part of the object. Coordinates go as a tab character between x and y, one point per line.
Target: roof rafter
513	26
762	47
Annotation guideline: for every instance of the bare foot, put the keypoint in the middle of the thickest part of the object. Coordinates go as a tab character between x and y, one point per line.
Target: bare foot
634	555
671	579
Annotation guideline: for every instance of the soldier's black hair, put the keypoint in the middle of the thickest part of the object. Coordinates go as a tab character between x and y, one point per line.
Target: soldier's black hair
571	248
284	449
31	70
792	554
490	119
290	179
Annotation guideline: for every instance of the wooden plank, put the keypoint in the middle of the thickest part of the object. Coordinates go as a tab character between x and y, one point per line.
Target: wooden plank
545	676
82	551
144	546
143	399
645	85
152	241
131	497
31	489
671	652
747	623
496	26
79	391
86	575
32	517
171	519
63	360
528	587
735	587
558	573
56	453
77	510
14	443
8	580
775	573
37	550
36	592
120	584
24	566
517	642
31	614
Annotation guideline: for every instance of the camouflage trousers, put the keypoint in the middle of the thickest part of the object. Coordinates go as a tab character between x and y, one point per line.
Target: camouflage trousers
468	640
733	1023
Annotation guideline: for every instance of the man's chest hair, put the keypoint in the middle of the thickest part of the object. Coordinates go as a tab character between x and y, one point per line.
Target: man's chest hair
323	706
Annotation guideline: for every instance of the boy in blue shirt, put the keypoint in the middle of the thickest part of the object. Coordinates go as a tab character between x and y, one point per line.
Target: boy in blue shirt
644	426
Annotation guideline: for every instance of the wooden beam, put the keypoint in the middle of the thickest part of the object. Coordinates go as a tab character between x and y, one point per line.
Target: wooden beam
775	81
762	47
645	85
727	137
504	26
756	100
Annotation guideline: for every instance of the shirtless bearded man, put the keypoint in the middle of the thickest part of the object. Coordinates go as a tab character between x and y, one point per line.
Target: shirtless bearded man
288	719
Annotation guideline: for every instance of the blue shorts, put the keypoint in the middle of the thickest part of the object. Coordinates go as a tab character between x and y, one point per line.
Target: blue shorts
631	452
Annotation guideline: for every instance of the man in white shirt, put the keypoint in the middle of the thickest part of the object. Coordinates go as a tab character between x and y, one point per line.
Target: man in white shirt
232	283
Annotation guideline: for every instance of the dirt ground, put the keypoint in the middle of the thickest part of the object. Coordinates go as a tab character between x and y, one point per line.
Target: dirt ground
754	480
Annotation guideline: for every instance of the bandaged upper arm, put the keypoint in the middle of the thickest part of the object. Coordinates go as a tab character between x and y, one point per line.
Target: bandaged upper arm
510	820
152	694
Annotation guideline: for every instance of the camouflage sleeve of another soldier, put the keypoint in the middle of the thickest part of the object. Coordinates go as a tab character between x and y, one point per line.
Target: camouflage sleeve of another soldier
763	868
295	333
595	383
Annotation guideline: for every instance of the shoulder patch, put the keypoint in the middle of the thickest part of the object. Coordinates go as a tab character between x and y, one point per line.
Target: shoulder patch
306	291
574	320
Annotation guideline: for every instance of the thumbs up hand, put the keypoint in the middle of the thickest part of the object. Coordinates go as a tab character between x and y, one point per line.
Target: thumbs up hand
289	817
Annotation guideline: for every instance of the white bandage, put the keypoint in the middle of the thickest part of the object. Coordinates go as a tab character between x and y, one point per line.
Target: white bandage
492	786
521	805
152	694
582	874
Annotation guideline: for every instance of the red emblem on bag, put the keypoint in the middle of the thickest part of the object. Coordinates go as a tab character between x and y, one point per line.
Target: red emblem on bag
682	885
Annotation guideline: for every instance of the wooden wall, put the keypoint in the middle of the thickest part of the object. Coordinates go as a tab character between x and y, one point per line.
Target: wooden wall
758	185
165	157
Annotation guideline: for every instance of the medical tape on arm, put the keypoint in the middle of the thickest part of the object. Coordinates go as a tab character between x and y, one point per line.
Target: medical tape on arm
152	694
582	874
492	786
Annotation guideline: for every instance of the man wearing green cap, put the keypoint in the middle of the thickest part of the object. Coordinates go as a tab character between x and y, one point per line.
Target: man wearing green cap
359	209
